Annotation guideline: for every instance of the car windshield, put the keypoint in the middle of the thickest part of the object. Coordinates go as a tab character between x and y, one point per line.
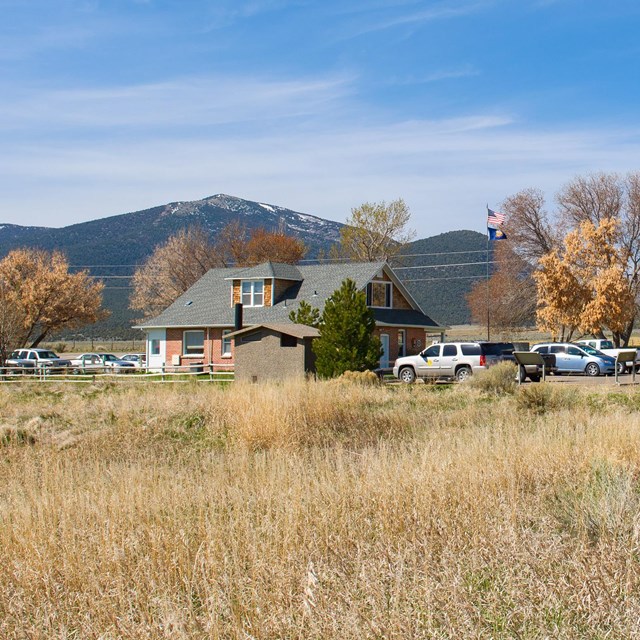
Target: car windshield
590	350
108	357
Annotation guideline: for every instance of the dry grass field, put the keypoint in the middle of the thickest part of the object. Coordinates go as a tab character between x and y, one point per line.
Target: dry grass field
319	510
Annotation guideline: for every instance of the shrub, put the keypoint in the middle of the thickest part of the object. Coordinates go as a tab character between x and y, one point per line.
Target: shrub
360	377
535	397
499	379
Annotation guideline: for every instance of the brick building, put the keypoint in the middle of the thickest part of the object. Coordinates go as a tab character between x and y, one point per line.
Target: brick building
196	327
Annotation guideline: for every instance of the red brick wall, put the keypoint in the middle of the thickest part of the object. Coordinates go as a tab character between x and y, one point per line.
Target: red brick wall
415	341
212	347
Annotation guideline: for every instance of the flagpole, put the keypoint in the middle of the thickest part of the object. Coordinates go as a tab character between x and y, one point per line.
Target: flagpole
488	297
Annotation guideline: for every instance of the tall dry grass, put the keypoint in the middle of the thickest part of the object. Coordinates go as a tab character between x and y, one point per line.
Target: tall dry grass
318	510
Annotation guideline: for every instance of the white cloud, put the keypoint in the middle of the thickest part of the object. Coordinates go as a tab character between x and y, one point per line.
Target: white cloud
446	170
195	102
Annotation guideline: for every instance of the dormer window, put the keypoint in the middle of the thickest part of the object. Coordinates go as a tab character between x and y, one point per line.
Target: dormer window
253	293
379	295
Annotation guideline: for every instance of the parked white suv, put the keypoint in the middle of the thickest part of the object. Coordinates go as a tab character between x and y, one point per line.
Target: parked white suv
457	360
36	359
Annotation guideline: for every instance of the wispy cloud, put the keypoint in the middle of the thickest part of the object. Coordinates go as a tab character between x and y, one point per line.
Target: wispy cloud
191	102
394	19
445	169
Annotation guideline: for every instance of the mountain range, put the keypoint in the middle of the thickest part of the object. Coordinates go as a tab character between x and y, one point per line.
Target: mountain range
112	248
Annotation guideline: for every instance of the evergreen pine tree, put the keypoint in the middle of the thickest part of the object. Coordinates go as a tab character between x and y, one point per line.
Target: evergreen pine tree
346	341
305	314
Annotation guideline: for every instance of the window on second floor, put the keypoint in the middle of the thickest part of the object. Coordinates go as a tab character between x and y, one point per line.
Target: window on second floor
252	293
379	294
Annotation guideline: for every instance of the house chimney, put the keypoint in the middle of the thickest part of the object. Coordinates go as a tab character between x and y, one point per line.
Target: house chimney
237	325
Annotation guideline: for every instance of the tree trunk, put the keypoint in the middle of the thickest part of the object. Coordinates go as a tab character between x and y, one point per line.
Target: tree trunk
625	336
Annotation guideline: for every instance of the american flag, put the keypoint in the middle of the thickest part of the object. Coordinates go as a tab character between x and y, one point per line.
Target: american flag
495	218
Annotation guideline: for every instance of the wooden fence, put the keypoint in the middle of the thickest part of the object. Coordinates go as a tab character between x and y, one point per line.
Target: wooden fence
199	373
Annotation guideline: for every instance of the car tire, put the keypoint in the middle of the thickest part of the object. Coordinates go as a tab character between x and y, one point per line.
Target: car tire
463	374
592	370
622	368
521	376
407	375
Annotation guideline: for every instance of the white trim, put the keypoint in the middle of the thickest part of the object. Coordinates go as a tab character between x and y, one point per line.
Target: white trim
384	358
252	281
403	290
404	342
198	354
223	353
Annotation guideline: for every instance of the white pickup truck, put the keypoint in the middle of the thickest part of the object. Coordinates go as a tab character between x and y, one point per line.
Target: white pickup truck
606	346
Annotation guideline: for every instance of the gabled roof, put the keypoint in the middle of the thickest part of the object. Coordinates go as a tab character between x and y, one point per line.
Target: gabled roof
289	329
279	270
208	302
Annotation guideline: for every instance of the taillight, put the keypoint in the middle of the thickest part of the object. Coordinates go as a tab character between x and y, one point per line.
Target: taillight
483	360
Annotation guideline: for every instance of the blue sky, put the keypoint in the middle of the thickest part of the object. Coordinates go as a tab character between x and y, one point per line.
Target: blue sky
110	106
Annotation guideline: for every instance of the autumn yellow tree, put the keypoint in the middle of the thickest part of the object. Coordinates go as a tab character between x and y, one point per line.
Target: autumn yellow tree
535	234
585	287
376	231
39	296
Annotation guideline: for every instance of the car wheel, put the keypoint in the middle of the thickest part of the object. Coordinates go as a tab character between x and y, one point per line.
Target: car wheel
463	374
622	368
521	376
407	375
592	369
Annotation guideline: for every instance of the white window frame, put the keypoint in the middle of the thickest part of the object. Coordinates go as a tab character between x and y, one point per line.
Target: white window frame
154	346
252	294
402	343
226	353
188	350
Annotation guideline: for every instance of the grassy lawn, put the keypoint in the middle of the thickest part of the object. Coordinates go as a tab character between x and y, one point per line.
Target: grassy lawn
319	510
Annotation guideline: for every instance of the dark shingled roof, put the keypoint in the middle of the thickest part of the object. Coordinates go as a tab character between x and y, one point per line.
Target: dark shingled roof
208	302
278	270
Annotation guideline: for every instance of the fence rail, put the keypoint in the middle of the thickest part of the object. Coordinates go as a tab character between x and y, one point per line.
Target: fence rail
199	373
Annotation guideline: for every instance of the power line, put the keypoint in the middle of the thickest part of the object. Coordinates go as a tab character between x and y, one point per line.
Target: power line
457	264
478	277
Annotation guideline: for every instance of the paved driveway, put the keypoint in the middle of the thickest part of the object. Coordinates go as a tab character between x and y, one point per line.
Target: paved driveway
588	381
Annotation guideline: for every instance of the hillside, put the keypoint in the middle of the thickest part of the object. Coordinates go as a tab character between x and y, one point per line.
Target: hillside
439	271
112	247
